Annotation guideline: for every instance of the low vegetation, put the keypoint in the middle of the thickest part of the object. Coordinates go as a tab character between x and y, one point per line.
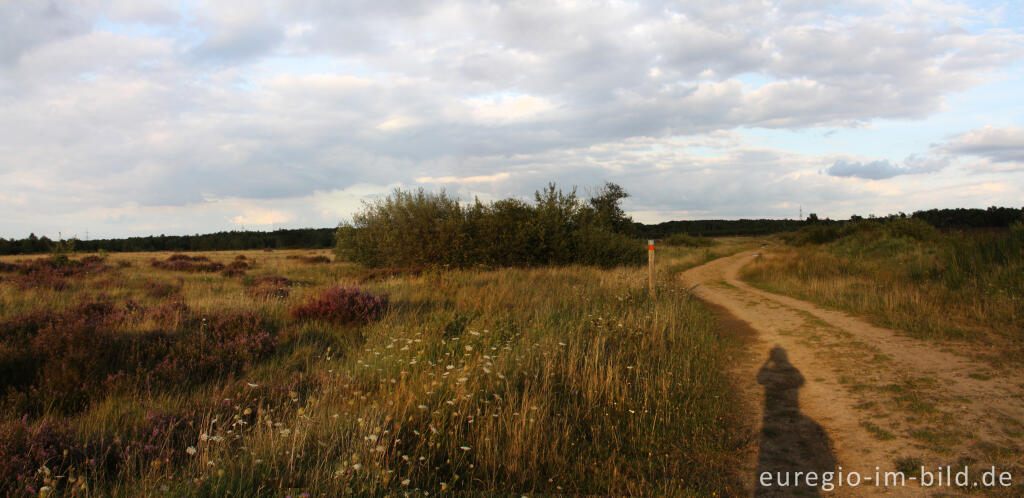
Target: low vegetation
686	240
905	274
136	379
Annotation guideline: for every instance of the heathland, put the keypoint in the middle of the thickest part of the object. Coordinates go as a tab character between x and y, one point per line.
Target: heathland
279	372
506	347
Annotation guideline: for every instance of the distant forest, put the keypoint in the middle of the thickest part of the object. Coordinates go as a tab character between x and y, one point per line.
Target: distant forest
323	238
301	238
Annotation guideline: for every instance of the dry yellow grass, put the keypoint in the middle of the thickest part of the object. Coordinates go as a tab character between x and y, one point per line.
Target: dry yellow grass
551	380
904	285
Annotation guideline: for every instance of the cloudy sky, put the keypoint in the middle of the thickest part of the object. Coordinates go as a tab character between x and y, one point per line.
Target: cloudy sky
135	117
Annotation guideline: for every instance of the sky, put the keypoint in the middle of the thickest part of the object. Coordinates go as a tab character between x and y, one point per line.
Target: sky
136	117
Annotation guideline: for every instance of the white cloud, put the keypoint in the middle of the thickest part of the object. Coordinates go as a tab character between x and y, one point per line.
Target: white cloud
261	217
172	108
469	179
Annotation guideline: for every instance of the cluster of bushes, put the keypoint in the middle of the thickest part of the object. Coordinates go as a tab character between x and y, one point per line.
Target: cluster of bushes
186	263
51	273
196	264
268	287
823	233
343	305
420	229
62	360
49	457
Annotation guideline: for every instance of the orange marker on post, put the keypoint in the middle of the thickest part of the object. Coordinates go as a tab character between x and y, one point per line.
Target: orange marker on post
650	264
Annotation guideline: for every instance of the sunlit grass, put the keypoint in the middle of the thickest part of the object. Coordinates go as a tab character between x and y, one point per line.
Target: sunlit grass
549	380
909	285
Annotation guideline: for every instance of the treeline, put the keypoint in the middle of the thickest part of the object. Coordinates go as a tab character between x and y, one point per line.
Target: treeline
717	228
417	229
302	238
993	217
322	238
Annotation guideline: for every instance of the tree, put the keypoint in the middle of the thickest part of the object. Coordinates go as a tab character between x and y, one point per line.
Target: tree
608	213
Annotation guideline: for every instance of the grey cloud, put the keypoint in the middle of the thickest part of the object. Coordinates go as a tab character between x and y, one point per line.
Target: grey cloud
28	24
232	44
874	170
884	169
997	144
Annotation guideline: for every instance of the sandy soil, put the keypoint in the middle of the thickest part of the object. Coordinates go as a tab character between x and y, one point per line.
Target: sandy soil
835	392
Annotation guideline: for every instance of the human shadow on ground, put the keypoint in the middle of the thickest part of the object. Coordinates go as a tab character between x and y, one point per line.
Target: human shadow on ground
790	441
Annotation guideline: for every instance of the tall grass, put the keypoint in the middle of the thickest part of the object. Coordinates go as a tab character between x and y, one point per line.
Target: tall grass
547	380
907	275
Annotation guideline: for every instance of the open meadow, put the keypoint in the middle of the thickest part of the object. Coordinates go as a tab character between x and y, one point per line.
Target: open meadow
274	373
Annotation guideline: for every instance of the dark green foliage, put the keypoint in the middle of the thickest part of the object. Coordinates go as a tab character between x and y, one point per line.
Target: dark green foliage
604	202
717	228
301	238
874	229
417	229
685	240
985	260
993	217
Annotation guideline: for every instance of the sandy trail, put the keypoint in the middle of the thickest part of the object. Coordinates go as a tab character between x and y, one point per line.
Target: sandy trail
835	391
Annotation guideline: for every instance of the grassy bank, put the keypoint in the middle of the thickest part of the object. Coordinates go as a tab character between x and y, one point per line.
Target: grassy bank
192	378
903	274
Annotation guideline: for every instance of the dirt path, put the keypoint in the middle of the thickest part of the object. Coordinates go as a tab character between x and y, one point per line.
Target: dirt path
837	392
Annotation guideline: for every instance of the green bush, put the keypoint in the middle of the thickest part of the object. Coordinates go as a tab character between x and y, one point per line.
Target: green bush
813	234
418	229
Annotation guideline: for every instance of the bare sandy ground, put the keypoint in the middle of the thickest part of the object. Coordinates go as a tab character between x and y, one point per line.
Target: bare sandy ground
837	393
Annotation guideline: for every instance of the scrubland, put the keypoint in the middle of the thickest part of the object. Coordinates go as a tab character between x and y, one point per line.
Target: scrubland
959	286
277	373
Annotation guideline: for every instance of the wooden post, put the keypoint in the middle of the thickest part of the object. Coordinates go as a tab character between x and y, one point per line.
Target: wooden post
650	264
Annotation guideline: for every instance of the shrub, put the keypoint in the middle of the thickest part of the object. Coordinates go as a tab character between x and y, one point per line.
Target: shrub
813	234
914	229
52	273
77	353
309	259
186	263
26	449
215	345
343	305
162	289
597	247
268	286
421	230
61	361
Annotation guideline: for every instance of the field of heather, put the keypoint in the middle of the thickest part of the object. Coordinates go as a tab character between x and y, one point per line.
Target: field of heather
283	372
